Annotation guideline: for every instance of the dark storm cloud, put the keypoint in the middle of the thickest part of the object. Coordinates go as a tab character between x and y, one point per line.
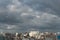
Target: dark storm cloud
4	3
23	15
52	6
9	18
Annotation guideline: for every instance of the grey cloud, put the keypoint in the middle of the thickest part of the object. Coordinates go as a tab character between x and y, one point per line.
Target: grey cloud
4	3
29	15
42	5
9	18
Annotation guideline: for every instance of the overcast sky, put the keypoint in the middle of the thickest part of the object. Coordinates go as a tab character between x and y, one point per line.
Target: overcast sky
27	15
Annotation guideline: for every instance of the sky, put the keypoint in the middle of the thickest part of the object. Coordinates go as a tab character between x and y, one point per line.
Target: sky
28	15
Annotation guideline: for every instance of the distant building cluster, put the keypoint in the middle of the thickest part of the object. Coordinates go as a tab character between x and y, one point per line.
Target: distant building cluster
32	35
